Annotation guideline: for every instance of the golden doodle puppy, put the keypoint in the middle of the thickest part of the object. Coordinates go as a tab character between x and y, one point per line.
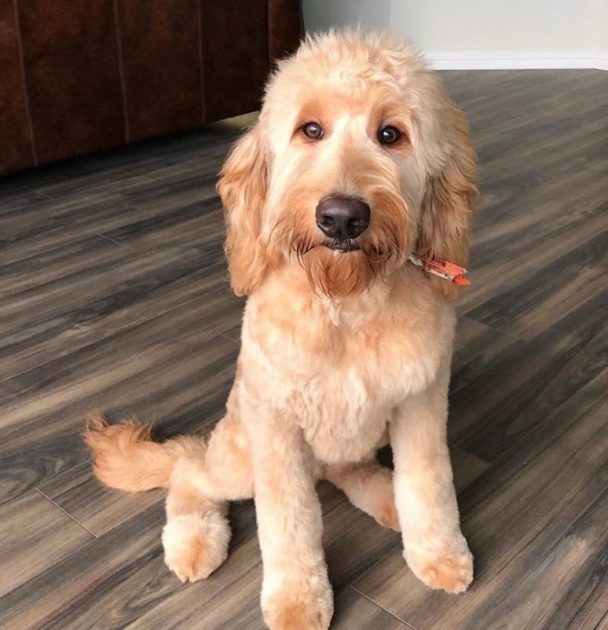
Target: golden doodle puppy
358	166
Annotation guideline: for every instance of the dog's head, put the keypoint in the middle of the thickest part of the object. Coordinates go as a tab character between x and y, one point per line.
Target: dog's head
358	159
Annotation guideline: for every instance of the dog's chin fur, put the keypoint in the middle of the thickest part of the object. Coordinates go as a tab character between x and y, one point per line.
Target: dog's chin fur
343	272
338	274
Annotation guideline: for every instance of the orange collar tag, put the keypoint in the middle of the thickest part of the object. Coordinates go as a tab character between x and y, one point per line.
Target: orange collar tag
446	270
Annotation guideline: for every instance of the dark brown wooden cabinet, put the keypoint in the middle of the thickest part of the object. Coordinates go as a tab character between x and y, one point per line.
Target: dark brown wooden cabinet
81	76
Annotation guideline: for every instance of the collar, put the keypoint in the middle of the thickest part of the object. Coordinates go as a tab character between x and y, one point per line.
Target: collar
446	270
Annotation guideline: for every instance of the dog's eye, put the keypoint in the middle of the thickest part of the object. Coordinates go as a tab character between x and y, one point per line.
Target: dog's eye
313	131
389	135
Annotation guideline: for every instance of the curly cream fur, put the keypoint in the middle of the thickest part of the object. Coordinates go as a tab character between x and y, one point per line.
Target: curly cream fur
338	349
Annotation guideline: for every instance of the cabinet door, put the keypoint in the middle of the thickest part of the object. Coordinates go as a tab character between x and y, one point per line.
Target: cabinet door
285	27
72	75
235	55
16	150
161	57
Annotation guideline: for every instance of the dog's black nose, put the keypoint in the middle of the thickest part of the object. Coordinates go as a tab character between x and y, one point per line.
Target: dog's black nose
342	217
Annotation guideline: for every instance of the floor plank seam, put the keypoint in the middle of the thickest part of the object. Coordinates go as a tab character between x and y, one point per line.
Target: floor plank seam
373	565
234	341
107	238
388	612
131	206
507	334
497	329
44	496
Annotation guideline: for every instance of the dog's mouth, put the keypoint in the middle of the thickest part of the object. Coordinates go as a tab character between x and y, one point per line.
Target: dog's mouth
342	247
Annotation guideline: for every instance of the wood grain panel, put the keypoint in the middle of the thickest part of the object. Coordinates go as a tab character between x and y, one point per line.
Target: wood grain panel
495	413
72	75
284	21
159	44
87	574
34	535
235	56
96	507
52	401
16	144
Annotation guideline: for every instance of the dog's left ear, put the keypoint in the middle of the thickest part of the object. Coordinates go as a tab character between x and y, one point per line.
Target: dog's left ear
242	186
447	208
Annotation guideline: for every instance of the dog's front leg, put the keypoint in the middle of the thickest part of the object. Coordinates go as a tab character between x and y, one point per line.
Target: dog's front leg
296	592
434	547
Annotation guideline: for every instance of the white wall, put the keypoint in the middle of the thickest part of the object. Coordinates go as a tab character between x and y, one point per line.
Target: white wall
322	14
482	33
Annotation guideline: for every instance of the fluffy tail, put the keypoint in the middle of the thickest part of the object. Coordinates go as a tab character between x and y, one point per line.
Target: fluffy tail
128	459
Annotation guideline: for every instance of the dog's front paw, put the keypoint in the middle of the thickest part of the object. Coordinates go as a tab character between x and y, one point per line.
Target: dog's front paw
305	604
450	570
195	544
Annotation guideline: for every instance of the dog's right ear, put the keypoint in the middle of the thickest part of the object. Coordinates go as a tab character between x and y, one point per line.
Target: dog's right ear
242	186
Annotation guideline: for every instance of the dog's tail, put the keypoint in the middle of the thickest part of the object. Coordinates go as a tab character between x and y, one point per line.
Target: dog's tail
128	459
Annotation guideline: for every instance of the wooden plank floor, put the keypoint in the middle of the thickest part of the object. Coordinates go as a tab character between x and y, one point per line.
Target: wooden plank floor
114	295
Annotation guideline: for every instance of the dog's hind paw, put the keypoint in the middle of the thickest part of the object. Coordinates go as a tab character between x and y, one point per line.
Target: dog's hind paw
195	544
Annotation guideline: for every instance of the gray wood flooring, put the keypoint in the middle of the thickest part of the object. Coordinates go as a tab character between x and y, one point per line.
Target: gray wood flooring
114	295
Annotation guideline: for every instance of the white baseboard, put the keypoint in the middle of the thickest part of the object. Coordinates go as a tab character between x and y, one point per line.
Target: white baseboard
513	60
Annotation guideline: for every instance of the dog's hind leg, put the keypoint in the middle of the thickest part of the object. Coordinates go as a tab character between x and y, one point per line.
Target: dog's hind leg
202	475
368	486
197	532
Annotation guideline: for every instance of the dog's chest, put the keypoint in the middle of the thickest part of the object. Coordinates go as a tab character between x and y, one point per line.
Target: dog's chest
343	413
343	394
338	378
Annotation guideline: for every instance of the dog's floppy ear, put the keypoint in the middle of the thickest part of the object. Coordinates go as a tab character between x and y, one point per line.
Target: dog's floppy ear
242	187
447	208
